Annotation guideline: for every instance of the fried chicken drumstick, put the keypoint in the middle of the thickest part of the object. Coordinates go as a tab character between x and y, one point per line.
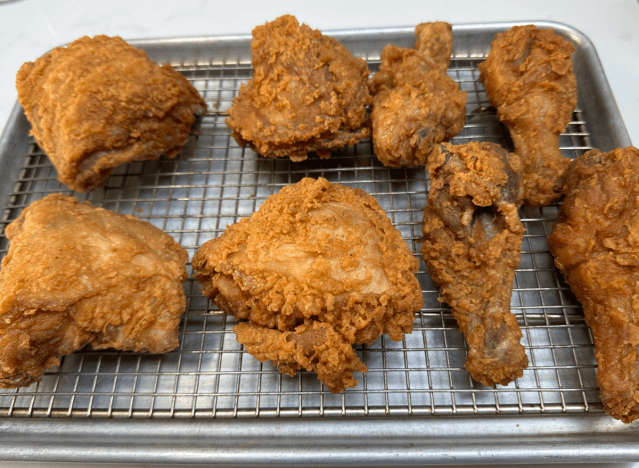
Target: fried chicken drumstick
77	275
529	78
100	102
596	247
318	268
472	242
415	104
308	93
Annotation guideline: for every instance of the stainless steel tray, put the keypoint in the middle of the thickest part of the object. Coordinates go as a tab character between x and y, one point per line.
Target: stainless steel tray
210	402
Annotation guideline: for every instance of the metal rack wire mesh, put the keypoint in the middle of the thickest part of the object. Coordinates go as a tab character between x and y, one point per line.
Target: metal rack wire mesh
214	183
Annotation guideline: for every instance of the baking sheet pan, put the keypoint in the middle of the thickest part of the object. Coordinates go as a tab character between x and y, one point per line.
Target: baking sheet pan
210	402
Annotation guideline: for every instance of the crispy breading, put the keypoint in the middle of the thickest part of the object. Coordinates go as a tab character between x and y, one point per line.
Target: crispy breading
472	241
100	102
315	347
77	275
308	93
416	105
315	252
596	246
435	41
529	78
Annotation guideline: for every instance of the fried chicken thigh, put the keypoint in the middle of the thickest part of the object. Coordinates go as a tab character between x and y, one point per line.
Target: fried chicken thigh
100	102
77	275
596	246
472	242
529	78
318	268
308	93
415	104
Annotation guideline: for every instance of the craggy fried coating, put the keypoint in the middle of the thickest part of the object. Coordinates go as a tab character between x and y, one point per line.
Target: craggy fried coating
308	93
529	78
435	41
472	242
596	246
314	252
416	105
100	102
77	275
317	347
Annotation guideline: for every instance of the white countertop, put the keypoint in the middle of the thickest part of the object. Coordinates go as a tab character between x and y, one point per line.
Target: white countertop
29	28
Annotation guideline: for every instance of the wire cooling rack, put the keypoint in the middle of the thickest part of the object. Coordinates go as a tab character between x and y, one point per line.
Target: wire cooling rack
214	183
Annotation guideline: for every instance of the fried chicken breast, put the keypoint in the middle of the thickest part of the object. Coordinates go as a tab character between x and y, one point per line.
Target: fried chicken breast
308	94
529	78
77	275
315	252
472	241
596	246
416	105
99	102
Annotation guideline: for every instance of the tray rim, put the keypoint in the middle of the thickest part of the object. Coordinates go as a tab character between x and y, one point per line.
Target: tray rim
410	440
329	442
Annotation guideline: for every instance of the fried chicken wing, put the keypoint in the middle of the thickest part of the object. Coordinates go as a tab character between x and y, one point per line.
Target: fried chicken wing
472	242
314	252
529	78
100	102
77	275
596	246
308	93
415	104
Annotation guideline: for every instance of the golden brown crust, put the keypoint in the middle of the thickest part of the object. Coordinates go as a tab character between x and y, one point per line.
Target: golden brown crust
529	78
77	275
100	102
316	347
435	41
472	241
315	252
415	104
308	93
595	246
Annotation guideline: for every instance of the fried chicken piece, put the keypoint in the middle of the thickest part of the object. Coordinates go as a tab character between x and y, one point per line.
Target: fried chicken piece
316	347
596	246
416	105
100	102
529	79
435	41
77	275
472	242
308	93
314	252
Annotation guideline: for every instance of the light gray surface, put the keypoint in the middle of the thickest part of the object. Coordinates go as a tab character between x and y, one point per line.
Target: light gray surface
141	465
326	441
230	409
144	465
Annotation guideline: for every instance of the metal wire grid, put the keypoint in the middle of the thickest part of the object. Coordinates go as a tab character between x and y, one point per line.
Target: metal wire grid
214	183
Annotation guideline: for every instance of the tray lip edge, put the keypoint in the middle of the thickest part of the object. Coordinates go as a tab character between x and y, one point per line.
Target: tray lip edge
270	442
